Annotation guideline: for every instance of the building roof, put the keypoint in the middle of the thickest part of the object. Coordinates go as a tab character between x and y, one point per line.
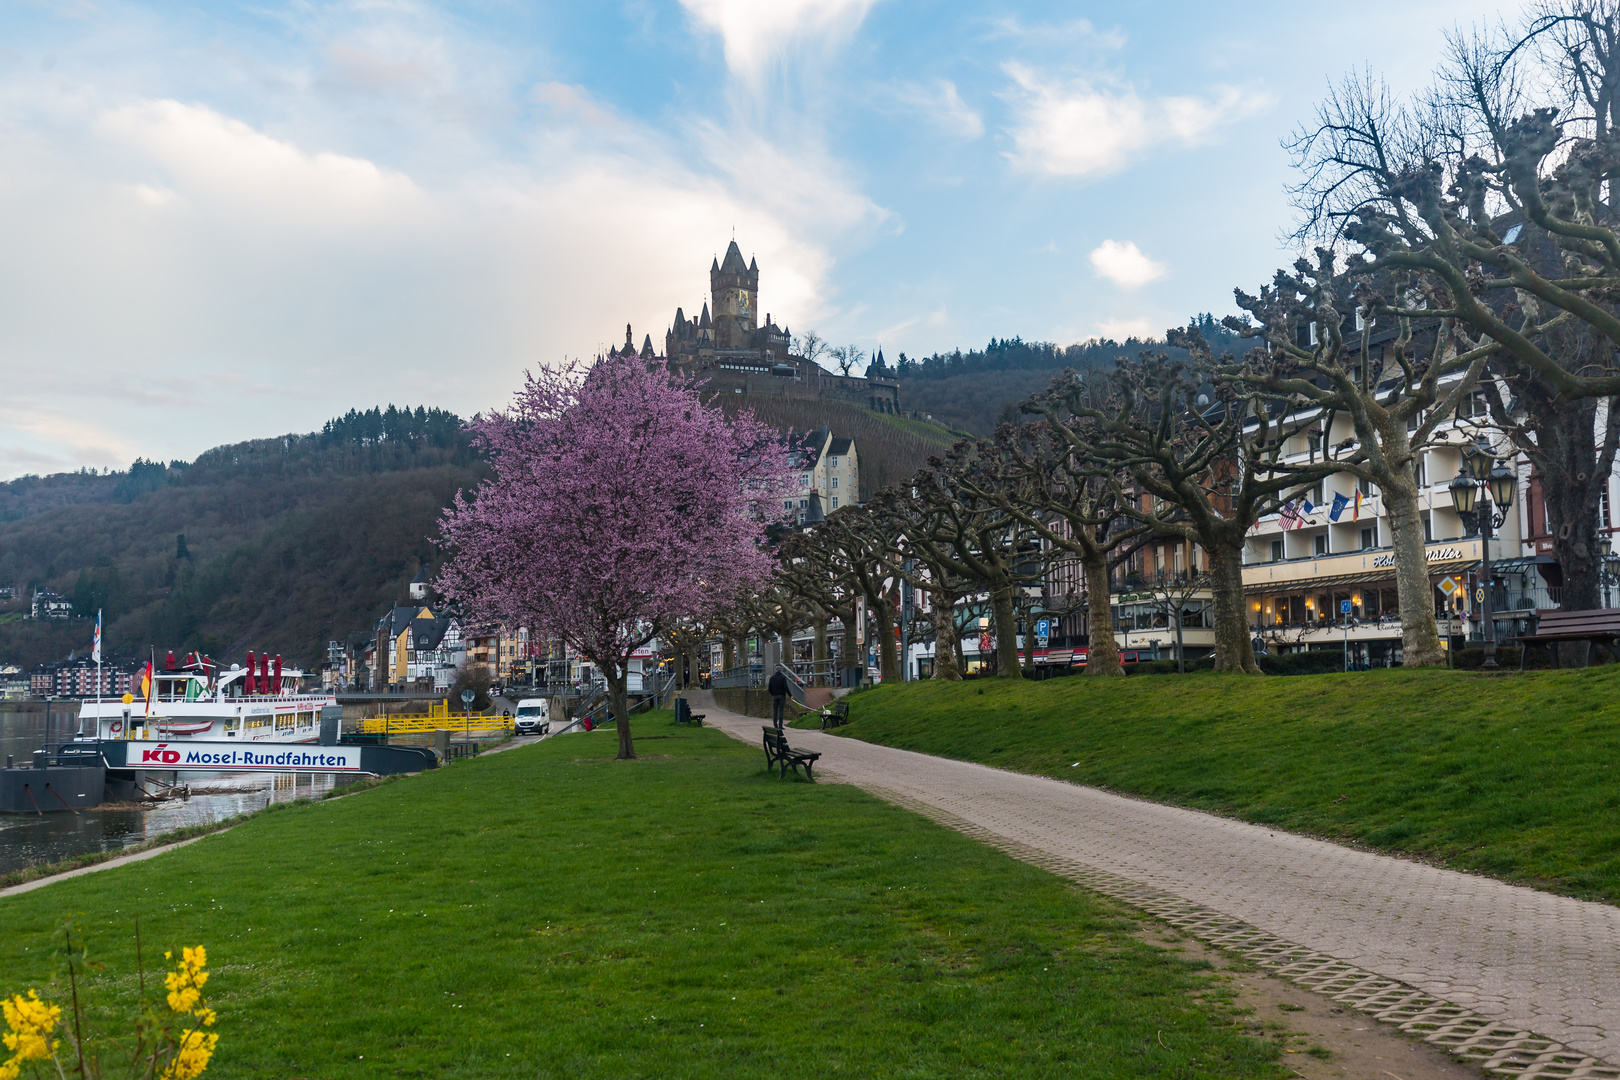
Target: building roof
734	261
840	447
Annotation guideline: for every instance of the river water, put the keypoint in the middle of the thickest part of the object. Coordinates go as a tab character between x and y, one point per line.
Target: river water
27	839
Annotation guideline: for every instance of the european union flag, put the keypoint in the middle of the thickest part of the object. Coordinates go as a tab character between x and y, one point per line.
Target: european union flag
1339	503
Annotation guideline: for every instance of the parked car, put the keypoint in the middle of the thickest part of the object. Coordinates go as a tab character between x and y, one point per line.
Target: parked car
533	717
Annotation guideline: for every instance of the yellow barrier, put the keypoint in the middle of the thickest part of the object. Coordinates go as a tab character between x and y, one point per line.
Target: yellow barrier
436	718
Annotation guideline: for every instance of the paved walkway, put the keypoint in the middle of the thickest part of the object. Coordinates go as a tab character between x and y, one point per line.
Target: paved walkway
1519	957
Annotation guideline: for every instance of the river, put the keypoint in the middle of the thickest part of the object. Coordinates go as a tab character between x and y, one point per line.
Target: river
27	839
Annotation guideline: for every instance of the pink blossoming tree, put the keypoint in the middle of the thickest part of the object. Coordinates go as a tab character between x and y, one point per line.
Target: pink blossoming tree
620	505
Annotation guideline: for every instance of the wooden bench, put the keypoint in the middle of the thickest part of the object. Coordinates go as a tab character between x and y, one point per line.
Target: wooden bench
778	752
685	715
835	715
1599	626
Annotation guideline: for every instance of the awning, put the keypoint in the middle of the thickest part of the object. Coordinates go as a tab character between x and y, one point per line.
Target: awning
1366	577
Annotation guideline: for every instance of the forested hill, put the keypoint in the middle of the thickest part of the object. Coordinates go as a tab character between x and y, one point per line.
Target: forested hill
976	390
275	544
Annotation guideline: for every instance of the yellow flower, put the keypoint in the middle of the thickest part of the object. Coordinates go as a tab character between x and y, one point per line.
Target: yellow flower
185	982
31	1022
191	1056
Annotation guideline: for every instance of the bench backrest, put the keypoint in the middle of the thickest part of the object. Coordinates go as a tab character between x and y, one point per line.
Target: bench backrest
775	739
1597	621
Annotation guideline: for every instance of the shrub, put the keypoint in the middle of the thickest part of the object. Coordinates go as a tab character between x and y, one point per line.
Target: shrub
1315	662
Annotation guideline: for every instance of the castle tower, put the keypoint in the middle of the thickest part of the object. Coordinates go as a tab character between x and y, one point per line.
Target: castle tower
735	289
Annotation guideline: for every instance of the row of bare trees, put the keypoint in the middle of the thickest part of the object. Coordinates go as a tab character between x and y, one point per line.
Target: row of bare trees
1465	244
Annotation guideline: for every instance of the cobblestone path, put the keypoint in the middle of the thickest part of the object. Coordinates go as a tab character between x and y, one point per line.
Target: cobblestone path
1523	982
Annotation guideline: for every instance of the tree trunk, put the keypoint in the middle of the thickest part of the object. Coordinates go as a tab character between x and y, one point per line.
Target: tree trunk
1420	634
819	649
1234	650
1002	614
1021	611
619	698
946	644
884	622
1102	649
728	651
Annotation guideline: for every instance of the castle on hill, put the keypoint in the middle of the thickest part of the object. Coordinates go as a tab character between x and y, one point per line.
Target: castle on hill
732	352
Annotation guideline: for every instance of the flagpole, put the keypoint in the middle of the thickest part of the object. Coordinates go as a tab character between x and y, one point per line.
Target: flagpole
98	678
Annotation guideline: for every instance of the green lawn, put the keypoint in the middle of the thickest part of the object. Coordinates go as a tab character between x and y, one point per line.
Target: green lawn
550	912
1512	775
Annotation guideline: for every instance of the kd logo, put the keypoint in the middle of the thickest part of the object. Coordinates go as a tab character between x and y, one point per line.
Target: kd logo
166	757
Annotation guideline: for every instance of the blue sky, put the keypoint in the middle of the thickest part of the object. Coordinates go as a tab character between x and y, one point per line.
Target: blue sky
231	221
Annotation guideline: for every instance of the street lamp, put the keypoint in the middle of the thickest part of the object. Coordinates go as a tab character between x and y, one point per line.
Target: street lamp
1609	564
1482	481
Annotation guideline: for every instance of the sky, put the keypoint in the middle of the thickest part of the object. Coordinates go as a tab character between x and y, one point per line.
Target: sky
230	221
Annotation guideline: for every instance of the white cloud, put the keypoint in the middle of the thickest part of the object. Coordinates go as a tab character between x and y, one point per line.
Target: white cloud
1121	329
757	32
175	278
1081	128
942	106
1124	264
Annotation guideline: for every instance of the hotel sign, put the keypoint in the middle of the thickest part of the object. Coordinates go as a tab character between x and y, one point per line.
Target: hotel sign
1434	554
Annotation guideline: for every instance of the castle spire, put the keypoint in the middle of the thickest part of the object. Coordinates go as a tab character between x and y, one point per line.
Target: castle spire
734	262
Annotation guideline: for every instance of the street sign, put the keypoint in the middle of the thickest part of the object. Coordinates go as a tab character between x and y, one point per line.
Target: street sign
467	697
1479	596
1448	586
1344	607
1043	632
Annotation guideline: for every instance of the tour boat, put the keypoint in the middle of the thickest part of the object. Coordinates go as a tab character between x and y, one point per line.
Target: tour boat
198	700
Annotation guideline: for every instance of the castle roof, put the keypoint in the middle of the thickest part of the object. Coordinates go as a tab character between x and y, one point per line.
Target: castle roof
734	261
705	323
753	265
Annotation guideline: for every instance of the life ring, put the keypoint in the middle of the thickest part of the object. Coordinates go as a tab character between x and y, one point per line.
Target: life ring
117	726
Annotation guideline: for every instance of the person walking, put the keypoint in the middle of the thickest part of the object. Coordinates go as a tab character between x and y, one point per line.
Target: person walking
778	686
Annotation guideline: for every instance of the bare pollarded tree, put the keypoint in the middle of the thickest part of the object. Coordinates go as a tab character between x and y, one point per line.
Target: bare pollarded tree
1495	195
1318	364
1191	458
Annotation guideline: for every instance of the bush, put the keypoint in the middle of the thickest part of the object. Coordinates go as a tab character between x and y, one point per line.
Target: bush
1315	662
1168	667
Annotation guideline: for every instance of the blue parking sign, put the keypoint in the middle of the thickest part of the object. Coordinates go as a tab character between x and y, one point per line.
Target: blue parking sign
1344	607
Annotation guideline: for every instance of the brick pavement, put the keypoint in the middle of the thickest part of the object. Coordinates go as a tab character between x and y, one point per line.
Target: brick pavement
1523	959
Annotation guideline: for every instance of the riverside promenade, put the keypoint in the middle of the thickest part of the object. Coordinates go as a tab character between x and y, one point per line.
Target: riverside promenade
1519	981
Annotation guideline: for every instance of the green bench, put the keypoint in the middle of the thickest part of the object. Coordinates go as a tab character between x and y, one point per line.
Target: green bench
835	715
779	754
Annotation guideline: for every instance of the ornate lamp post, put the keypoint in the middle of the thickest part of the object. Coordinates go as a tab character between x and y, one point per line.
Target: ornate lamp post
1610	574
1477	487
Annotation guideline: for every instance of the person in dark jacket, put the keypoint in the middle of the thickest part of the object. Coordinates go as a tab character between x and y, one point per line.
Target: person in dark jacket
778	686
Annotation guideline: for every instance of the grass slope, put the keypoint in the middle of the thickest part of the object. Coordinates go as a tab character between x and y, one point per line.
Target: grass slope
550	912
1512	775
890	447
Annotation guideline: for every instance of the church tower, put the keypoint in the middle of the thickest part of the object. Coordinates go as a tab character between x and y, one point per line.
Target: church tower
735	289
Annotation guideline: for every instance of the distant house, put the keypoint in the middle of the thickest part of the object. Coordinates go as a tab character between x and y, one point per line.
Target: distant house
419	585
415	647
48	605
825	476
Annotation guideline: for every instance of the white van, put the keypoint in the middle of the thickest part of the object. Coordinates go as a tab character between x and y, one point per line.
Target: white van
533	716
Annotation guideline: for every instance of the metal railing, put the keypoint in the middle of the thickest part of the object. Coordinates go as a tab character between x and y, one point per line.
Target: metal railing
738	678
